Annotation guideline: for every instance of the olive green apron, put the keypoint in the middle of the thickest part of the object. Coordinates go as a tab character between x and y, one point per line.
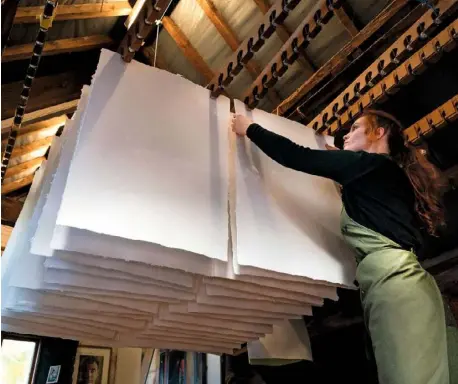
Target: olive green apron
403	309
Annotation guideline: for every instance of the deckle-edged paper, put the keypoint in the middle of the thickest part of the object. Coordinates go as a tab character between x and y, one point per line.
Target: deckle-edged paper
157	149
286	221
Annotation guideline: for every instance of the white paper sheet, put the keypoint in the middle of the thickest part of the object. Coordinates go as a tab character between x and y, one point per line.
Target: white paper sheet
156	168
287	221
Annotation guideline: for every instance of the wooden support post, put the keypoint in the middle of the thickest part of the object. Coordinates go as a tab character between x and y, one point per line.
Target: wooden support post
187	48
54	47
26	15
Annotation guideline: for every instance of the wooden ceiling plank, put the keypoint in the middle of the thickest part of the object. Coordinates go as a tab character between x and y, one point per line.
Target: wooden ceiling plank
340	59
54	47
38	131
17	184
42	114
30	151
6	233
231	39
284	34
27	15
347	22
22	170
187	48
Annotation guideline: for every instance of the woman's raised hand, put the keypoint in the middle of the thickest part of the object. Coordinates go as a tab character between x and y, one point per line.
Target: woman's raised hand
240	124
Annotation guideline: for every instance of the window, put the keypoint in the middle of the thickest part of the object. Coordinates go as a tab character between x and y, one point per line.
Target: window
18	359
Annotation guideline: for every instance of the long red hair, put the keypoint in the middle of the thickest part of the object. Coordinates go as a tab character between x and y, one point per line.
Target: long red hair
424	177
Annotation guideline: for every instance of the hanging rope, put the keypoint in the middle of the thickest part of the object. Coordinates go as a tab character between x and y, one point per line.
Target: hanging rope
46	20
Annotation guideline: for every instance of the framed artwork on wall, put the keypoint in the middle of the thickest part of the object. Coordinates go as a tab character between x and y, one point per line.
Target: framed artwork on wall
92	365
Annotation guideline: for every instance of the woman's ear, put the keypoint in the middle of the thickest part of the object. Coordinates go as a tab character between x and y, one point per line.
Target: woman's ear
380	132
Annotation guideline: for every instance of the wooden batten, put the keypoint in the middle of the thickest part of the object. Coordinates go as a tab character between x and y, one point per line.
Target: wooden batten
37	131
231	39
6	233
340	59
187	48
54	47
29	152
22	170
284	34
25	15
17	184
42	114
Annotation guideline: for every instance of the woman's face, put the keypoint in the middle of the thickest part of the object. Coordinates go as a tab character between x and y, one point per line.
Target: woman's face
357	139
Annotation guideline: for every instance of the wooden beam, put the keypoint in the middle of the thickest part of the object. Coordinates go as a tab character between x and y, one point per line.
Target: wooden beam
26	15
17	184
22	170
11	209
46	91
231	39
429	124
284	34
54	47
340	59
401	76
42	114
384	64
30	151
348	23
38	131
187	48
6	233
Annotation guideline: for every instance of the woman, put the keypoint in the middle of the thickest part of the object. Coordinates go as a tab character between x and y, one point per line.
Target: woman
388	191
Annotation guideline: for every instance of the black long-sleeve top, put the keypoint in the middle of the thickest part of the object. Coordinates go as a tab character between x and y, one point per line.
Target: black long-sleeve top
376	192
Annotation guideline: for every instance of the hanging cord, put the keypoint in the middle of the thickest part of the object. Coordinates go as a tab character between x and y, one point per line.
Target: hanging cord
46	20
158	26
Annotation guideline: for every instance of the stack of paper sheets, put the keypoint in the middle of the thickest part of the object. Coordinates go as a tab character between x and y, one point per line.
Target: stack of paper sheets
151	225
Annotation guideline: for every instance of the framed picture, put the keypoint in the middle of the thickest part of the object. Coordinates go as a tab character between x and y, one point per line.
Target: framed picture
53	374
92	365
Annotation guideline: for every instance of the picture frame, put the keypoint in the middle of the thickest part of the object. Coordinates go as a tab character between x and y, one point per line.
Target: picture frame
53	374
92	365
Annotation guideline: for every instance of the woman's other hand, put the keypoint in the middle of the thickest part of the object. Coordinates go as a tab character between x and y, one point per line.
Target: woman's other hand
240	124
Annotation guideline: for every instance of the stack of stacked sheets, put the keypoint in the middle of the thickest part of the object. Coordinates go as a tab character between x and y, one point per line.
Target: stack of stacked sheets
151	225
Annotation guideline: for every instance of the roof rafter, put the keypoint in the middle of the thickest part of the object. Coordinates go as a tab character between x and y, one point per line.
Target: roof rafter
54	47
27	15
283	34
187	48
231	38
